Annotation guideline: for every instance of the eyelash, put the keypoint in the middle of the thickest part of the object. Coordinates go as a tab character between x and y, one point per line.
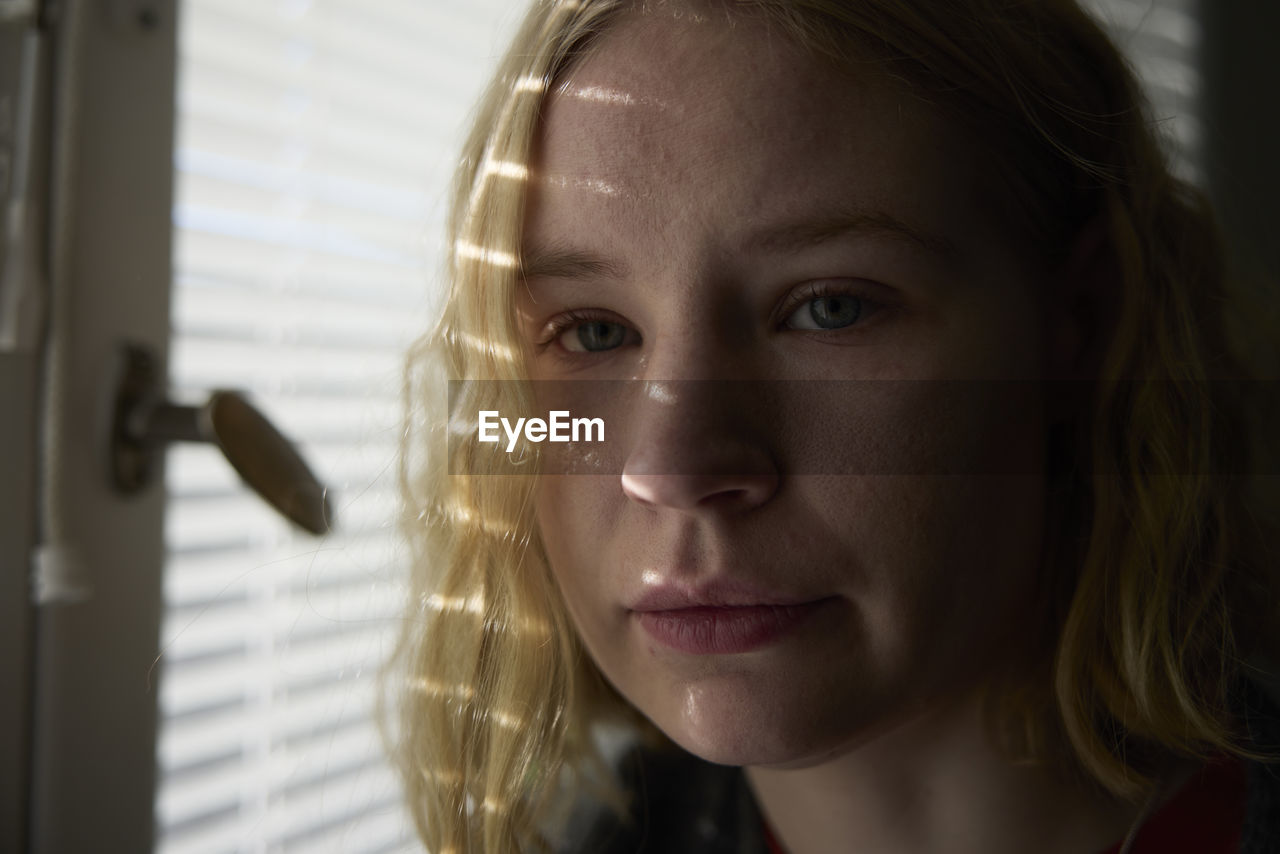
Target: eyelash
562	323
826	289
819	289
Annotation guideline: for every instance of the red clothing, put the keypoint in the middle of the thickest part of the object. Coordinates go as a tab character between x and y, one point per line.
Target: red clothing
1205	816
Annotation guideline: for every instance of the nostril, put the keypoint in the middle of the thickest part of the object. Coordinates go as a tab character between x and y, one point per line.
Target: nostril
720	492
727	498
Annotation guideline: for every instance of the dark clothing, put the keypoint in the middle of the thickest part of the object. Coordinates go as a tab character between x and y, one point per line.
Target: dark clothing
683	805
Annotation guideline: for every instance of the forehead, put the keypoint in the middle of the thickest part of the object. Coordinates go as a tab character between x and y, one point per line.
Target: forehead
705	116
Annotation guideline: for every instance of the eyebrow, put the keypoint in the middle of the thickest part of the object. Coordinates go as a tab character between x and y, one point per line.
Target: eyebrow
814	230
556	263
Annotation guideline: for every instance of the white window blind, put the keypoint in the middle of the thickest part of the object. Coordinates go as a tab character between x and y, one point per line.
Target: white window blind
1162	41
316	140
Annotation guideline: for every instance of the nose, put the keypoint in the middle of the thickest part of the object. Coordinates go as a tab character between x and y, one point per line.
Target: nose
699	447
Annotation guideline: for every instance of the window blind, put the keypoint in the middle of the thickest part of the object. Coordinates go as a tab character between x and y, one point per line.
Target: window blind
315	143
1162	41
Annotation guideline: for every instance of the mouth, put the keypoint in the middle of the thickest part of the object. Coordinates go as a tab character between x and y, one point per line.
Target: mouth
722	621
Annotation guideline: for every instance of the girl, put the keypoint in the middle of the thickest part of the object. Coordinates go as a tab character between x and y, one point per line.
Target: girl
920	502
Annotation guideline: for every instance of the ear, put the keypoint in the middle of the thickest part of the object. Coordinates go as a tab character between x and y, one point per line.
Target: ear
1085	292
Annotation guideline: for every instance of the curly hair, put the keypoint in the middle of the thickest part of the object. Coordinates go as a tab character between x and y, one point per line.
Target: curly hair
1157	585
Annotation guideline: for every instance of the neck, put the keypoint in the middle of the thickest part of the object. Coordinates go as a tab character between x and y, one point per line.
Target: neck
936	784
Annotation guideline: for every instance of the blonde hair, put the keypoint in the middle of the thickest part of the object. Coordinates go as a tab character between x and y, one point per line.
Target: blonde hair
1155	585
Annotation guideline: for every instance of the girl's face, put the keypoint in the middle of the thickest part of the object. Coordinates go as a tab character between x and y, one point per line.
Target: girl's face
777	570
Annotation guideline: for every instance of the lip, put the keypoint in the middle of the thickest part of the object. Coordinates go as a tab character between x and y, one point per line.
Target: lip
713	594
722	619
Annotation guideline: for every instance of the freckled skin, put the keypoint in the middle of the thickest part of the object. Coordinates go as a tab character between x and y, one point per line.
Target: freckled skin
929	576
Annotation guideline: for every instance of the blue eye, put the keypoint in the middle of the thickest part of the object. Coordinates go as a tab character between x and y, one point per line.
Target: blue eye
593	336
835	311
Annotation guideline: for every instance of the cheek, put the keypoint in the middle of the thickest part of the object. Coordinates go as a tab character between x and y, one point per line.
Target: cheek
557	509
945	566
573	523
912	428
942	520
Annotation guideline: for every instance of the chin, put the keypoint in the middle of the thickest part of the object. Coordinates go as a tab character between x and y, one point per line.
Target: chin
734	721
745	746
